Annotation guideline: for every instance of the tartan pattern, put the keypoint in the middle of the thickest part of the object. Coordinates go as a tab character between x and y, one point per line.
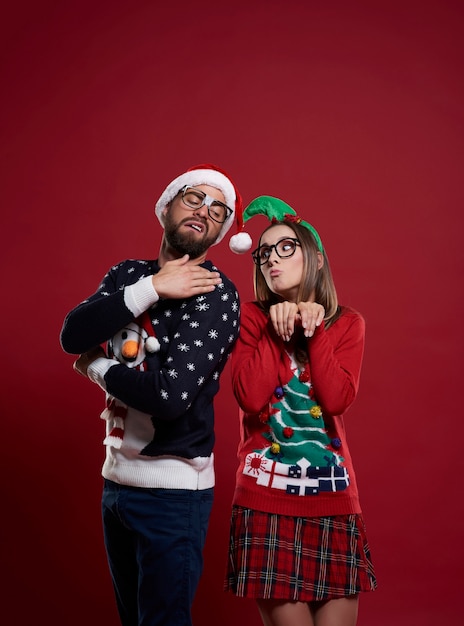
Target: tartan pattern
297	558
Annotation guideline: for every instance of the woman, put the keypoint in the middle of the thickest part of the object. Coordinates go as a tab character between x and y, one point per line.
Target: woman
298	544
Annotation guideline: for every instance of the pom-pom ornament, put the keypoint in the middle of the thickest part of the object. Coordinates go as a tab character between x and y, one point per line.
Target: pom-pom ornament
316	411
152	345
240	243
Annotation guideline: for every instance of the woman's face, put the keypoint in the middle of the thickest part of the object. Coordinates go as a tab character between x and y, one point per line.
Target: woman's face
282	274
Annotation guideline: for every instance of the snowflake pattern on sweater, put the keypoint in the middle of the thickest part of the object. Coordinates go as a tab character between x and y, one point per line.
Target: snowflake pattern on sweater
180	381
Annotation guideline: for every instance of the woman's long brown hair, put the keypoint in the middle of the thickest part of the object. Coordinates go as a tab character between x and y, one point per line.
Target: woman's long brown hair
317	281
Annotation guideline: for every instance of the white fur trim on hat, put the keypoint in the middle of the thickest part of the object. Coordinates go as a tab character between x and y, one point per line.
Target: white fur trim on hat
210	177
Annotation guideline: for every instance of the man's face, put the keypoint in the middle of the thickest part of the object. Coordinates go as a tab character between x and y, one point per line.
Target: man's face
191	231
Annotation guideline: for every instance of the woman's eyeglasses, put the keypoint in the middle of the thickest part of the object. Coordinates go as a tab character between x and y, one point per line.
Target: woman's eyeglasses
284	248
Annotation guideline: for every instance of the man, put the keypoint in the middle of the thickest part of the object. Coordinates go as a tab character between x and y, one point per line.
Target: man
158	472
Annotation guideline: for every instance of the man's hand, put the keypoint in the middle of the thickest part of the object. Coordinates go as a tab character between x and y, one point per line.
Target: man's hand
178	279
82	363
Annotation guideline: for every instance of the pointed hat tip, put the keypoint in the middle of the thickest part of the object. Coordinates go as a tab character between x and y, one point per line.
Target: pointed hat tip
268	206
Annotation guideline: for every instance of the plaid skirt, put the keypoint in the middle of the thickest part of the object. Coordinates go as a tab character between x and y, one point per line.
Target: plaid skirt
297	558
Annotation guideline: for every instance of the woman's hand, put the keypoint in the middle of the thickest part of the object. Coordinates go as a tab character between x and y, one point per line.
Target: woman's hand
286	315
283	317
311	316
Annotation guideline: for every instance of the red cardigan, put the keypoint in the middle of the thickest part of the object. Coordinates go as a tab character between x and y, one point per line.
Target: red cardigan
260	364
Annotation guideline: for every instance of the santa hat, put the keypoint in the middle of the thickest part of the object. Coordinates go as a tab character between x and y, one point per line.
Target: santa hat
276	210
206	174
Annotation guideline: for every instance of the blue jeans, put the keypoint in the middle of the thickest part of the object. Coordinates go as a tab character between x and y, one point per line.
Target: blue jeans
154	541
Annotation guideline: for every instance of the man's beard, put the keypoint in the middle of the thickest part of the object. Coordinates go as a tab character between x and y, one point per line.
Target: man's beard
184	243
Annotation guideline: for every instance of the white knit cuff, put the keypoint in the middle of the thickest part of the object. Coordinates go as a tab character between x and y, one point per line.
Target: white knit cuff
140	296
98	368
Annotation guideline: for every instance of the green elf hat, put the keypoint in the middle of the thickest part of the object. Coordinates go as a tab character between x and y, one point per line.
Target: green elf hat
275	210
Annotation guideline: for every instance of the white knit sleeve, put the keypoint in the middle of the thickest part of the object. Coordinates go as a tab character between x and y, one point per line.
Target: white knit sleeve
98	368
140	296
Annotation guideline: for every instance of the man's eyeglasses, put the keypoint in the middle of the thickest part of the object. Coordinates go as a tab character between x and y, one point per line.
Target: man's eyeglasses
194	199
284	248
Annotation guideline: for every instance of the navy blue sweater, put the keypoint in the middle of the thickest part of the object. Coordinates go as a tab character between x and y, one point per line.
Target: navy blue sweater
180	382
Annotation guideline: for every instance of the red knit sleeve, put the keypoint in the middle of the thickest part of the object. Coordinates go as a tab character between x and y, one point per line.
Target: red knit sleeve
259	363
335	357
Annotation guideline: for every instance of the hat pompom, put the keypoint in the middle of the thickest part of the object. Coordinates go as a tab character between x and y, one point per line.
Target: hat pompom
240	243
152	345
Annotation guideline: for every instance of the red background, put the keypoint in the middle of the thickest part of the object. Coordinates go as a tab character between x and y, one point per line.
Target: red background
350	111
